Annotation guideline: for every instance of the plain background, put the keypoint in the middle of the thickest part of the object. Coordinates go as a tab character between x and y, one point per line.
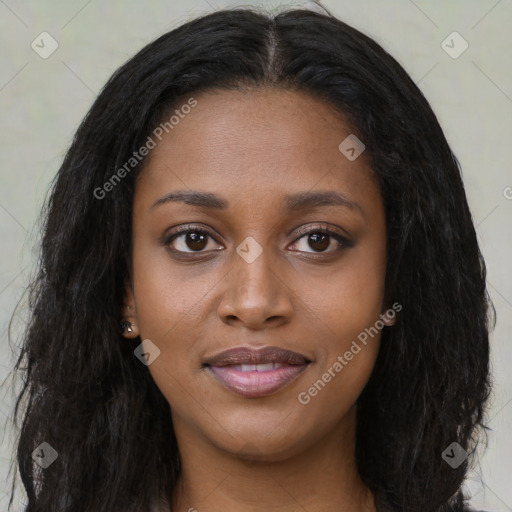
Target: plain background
42	102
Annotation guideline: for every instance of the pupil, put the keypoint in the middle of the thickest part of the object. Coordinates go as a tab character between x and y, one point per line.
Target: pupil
319	238
196	239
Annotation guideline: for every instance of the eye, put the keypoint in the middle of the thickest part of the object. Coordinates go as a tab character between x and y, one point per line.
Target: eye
319	239
189	239
195	239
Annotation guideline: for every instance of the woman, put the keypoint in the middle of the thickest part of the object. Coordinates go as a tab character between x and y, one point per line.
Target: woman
260	285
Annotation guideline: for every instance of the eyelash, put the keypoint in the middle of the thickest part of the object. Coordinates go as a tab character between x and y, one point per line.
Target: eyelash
342	240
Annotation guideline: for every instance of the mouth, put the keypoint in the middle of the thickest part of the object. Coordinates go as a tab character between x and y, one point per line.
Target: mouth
256	373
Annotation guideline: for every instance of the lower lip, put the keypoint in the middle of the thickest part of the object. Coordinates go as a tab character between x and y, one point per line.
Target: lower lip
253	383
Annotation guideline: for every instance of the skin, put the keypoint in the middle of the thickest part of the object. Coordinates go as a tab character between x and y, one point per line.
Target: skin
253	148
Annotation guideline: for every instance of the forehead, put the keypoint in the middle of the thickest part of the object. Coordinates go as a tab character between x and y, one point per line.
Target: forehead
253	143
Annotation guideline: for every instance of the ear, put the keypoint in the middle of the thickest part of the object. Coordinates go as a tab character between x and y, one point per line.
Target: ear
129	328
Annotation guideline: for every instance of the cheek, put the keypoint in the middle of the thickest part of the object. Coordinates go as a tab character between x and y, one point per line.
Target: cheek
168	299
344	321
172	311
333	390
347	343
341	305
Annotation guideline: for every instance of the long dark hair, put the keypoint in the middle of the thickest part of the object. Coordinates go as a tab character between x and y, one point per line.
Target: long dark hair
89	397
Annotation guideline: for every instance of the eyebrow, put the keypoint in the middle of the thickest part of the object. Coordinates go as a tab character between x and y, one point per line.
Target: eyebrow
293	202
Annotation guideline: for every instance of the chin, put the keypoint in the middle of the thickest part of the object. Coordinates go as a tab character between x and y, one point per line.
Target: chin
262	440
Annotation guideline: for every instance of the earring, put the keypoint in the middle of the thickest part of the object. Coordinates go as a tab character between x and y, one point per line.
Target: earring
126	327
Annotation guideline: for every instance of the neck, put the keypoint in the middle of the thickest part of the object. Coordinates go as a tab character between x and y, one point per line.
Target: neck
321	477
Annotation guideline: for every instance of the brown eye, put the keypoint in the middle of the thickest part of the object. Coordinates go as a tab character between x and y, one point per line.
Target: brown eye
189	240
319	240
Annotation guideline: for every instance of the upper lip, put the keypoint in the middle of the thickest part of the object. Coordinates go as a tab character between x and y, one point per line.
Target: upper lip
247	355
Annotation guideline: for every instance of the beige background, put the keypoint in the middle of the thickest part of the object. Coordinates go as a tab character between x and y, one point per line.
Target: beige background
43	100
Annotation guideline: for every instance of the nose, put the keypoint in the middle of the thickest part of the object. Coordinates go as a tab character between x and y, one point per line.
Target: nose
255	294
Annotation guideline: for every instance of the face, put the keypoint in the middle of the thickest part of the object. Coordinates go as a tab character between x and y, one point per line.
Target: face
285	250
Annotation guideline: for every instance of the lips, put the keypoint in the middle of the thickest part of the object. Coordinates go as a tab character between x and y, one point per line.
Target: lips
256	373
245	355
